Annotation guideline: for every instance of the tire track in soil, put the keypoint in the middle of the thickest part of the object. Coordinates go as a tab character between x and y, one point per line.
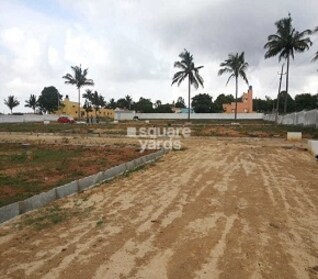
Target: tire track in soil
218	209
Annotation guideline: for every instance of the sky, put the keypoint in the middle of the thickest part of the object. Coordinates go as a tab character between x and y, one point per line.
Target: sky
130	46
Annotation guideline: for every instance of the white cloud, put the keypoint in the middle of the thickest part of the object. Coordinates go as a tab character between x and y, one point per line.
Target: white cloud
129	46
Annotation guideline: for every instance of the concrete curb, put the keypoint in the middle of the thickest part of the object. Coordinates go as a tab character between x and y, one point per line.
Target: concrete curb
10	211
313	147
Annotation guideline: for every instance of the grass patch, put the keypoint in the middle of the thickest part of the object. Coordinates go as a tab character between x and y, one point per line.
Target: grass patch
45	218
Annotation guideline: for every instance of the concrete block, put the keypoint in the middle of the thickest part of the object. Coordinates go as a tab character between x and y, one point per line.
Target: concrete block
140	162
67	189
313	147
294	136
37	201
9	211
86	182
131	165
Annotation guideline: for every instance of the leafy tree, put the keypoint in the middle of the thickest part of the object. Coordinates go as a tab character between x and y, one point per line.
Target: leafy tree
11	102
79	80
50	99
188	70
144	105
88	108
180	103
236	66
158	103
32	102
265	106
202	103
285	43
290	102
111	104
129	101
98	102
88	95
221	100
306	101
163	108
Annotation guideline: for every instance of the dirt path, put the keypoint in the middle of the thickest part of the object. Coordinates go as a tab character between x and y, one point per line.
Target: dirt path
218	209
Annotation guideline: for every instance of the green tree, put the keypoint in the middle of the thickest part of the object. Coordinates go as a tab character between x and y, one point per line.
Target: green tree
290	102
158	104
49	100
188	70
129	101
180	103
144	105
111	104
202	103
264	106
236	66
11	102
221	100
122	103
163	108
98	102
285	43
306	101
88	108
32	102
79	80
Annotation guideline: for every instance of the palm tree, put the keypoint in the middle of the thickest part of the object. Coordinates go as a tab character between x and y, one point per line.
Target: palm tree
88	108
112	103
236	66
88	95
285	43
32	102
129	101
79	79
316	55
188	70
11	102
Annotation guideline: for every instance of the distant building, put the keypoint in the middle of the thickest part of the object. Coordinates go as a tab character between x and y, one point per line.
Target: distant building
71	108
246	106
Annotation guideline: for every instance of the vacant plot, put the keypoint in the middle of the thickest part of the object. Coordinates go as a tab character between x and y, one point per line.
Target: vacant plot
28	169
224	128
233	208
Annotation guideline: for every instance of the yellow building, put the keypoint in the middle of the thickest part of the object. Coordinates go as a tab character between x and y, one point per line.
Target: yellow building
71	108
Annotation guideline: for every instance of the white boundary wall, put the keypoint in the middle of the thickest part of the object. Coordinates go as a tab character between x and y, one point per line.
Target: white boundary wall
27	118
305	118
152	116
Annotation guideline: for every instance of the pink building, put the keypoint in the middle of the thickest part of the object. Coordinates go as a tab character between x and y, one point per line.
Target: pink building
245	106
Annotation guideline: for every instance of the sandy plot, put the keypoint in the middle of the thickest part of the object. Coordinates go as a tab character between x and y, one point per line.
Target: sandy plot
217	209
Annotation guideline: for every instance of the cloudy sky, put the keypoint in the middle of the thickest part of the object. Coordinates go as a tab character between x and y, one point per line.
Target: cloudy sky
129	46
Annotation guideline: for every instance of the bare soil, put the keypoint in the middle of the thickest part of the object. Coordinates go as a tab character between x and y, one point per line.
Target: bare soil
231	208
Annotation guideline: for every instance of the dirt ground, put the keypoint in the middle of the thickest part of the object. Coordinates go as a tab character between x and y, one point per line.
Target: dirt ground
220	208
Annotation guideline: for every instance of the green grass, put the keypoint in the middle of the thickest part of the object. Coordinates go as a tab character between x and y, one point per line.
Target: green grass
45	217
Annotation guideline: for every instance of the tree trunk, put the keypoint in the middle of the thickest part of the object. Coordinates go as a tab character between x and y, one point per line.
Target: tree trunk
287	78
189	103
236	89
79	105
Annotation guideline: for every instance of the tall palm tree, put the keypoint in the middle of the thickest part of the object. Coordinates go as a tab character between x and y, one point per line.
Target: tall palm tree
188	70
285	43
236	66
11	102
79	80
32	102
